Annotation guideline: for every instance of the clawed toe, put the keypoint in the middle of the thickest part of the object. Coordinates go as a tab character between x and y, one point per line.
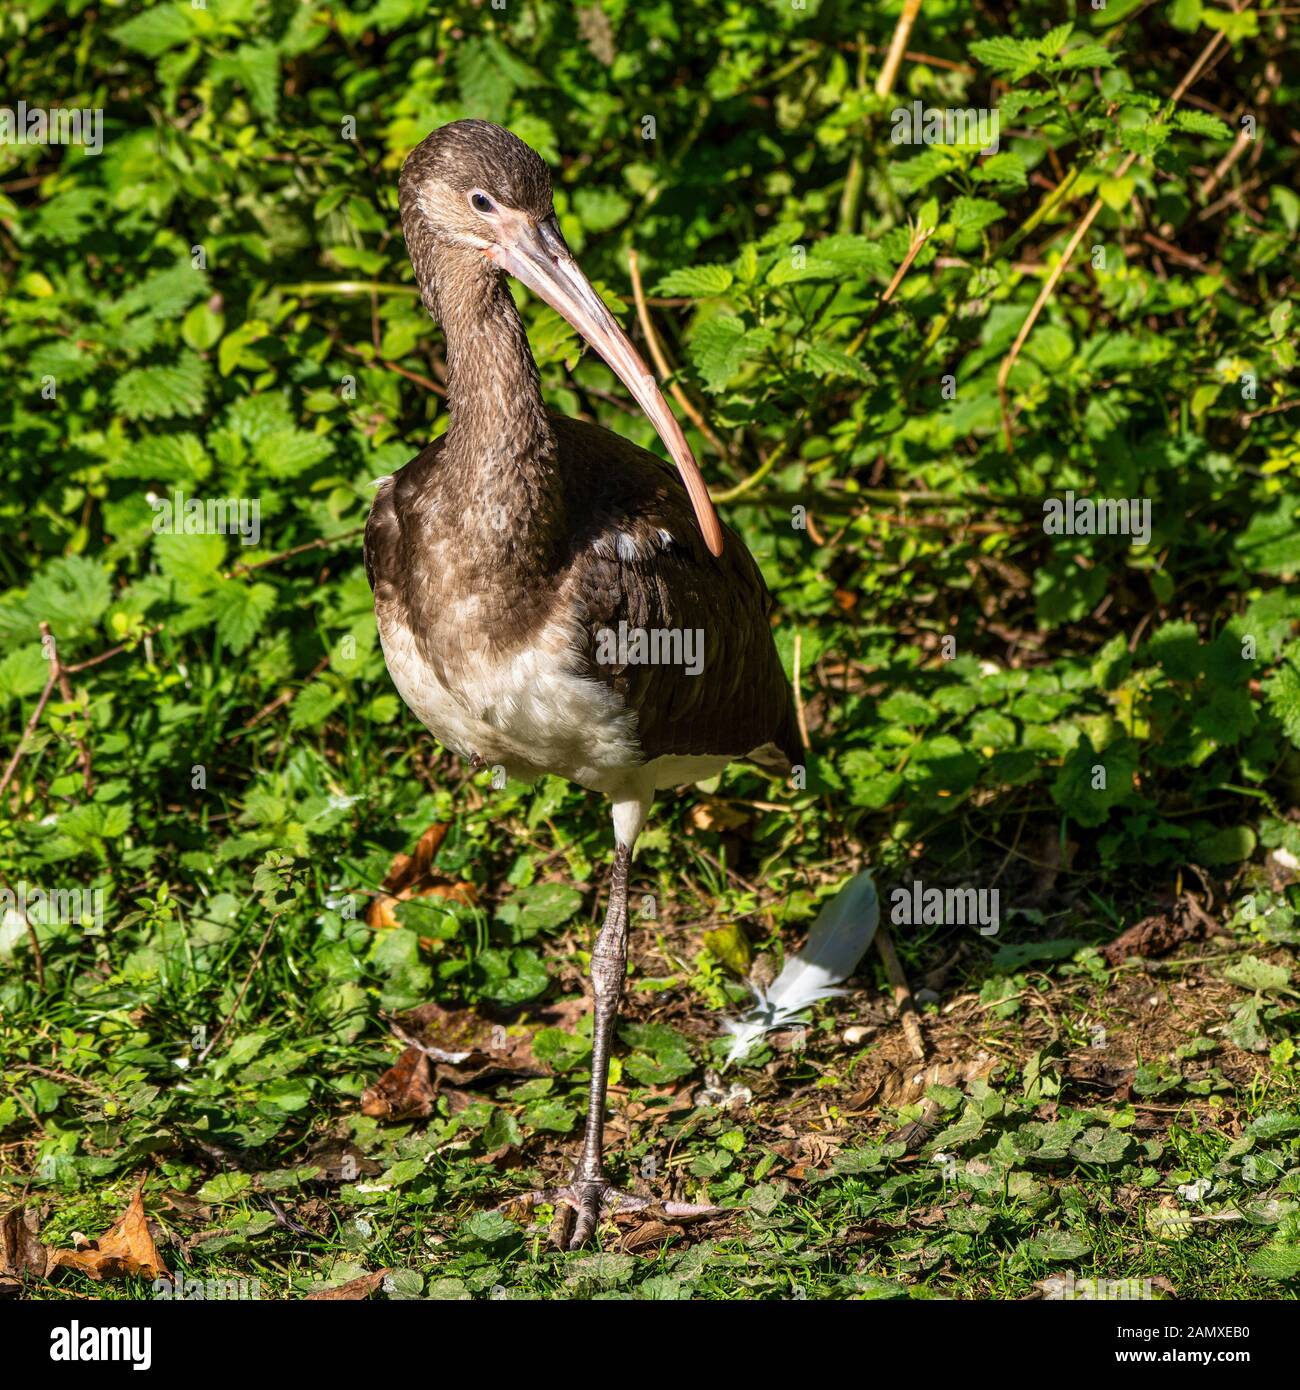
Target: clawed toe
592	1200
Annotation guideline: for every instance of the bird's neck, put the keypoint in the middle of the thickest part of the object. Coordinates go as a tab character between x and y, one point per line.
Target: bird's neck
499	446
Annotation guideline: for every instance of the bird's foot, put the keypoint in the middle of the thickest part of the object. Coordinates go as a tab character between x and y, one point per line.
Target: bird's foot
584	1203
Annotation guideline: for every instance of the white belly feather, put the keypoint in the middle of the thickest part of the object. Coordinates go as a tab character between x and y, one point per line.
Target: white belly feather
535	714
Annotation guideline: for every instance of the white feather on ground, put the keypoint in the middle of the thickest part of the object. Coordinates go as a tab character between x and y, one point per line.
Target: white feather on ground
837	942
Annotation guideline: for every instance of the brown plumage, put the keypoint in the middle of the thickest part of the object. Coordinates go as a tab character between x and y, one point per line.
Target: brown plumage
631	555
508	555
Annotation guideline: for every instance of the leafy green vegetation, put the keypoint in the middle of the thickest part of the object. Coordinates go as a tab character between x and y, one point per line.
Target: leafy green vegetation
906	366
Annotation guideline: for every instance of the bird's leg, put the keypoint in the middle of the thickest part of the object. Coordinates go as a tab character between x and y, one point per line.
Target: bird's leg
589	1194
608	968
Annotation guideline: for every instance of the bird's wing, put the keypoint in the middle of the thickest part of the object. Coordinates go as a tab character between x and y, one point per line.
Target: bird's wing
640	565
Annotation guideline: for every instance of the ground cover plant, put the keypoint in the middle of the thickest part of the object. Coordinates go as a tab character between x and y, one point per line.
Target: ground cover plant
296	997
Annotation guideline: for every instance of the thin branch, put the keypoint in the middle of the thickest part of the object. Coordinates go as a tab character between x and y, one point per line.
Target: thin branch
374	360
1049	285
1270	410
920	235
58	672
1240	145
897	47
798	694
243	989
316	289
282	698
730	494
65	689
30	728
661	362
321	543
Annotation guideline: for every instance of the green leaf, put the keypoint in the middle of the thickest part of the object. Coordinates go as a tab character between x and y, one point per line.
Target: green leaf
287	453
722	345
1014	56
1090	784
824	361
1202	123
1270	543
1282	691
162	393
970	215
539	907
600	208
1252	973
1177	647
23	672
1117	193
1230	845
71	594
313	705
225	1187
1054	1246
1005	170
156	30
244	609
1276	1262
1055	39
1101	1144
1087	55
192	560
661	1055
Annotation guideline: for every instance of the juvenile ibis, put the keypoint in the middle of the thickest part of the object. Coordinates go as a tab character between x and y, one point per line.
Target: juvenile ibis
524	563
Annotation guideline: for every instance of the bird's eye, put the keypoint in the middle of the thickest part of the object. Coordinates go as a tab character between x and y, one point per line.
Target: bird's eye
480	202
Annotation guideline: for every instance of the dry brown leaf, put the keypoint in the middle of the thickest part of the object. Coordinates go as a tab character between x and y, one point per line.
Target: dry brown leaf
339	1160
407	869
352	1290
411	876
125	1248
907	1085
453	1048
21	1252
1152	936
382	915
405	1089
717	816
648	1234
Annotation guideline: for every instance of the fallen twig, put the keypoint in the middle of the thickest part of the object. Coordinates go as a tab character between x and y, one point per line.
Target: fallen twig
902	993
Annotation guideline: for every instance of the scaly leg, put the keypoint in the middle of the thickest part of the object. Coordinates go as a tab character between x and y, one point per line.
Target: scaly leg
589	1194
608	968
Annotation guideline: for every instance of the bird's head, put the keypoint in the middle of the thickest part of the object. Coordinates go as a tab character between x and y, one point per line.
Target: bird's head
474	186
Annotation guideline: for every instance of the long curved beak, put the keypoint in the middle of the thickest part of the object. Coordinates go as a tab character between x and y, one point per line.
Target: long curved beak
536	255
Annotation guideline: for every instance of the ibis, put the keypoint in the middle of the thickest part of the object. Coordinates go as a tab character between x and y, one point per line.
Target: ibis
550	597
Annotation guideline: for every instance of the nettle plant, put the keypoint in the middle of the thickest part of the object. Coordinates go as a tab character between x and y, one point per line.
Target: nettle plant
833	360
